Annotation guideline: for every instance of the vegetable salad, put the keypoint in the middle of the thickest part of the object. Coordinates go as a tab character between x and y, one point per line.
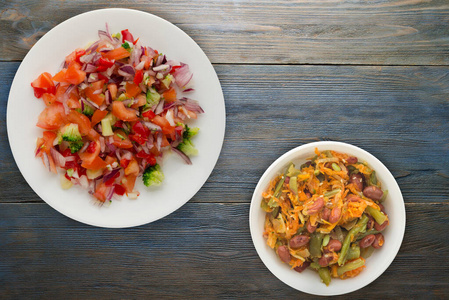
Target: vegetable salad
112	112
326	215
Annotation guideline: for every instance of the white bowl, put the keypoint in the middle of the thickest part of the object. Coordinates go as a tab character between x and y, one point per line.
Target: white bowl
309	281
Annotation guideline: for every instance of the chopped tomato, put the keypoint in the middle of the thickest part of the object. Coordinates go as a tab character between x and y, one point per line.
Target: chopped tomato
138	77
93	135
111	180
104	64
43	84
169	95
127	36
140	134
119	189
83	122
112	87
118	53
132	90
128	182
151	159
96	164
132	168
164	124
73	74
48	98
89	157
141	101
73	103
124	162
45	143
100	192
174	68
92	92
121	112
149	114
98	116
121	140
52	117
75	56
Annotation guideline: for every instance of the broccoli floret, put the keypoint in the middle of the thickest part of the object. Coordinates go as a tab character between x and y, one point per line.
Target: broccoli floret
71	133
153	175
88	110
187	146
153	98
75	146
190	132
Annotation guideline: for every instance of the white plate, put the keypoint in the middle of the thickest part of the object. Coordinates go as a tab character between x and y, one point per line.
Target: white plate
309	281
181	181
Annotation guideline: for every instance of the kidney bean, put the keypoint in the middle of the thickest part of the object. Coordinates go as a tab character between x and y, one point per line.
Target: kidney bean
310	228
284	254
352	160
373	192
325	214
316	206
379	227
298	241
325	260
370	223
382	208
367	241
378	241
357	180
334	245
302	267
335	215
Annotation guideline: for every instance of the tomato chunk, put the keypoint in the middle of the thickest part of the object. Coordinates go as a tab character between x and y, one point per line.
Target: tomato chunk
52	117
121	112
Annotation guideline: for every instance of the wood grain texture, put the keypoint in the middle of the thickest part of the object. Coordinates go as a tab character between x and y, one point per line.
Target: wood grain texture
201	251
401	32
399	114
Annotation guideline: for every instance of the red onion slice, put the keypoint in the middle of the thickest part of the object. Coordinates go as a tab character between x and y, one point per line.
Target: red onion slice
182	76
182	155
152	126
58	158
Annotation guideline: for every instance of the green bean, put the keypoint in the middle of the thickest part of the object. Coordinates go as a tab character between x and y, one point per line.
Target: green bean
336	167
316	240
384	196
315	265
264	205
366	252
372	179
376	214
292	171
325	275
328	153
275	212
332	193
352	265
353	252
326	240
272	203
277	191
346	243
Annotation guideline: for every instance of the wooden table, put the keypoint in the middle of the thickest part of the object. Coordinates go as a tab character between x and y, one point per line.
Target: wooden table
371	73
